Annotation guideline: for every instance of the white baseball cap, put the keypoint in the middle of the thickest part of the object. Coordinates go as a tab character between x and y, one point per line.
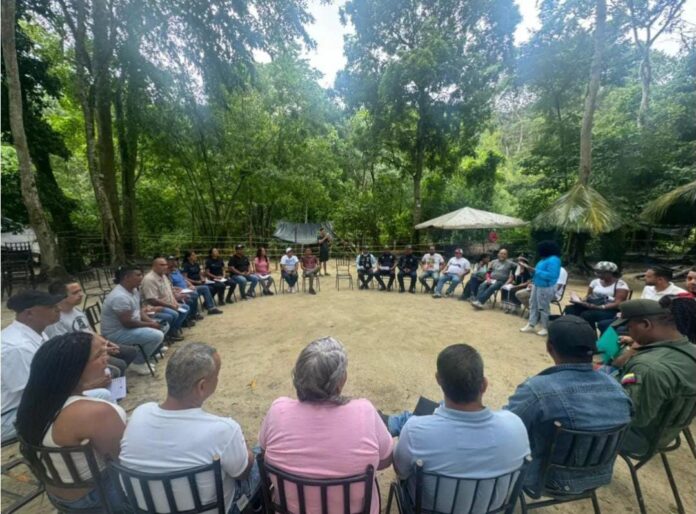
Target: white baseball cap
288	250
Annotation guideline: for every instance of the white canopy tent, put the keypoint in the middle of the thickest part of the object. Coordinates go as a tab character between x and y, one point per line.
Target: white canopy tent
469	218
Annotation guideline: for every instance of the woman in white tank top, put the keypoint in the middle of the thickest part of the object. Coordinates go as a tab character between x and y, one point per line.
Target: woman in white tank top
55	413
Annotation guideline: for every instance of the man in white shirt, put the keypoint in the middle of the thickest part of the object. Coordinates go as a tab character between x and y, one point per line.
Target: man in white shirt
457	268
178	434
288	269
432	263
658	284
35	310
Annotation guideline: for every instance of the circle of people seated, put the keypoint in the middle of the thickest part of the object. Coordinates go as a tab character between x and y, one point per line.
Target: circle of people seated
636	406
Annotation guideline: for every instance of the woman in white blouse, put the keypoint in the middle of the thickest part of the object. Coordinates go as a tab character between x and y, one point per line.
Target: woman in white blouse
604	295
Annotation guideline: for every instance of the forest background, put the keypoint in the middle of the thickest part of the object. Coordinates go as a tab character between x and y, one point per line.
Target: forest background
153	125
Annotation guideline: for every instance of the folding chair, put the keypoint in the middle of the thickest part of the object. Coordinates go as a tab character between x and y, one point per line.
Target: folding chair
151	493
569	451
91	285
450	495
15	272
44	463
343	272
10	465
684	408
558	299
317	283
278	486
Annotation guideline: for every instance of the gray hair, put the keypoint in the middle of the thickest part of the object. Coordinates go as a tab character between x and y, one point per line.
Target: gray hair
319	371
187	366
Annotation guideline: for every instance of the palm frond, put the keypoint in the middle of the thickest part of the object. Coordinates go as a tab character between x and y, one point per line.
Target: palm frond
582	209
678	207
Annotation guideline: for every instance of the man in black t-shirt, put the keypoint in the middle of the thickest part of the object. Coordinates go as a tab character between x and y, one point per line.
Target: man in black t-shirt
240	273
408	265
324	242
386	263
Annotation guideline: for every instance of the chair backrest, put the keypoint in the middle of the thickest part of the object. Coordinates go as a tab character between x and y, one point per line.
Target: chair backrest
93	313
674	417
283	491
343	262
579	450
176	492
89	280
59	467
441	494
559	293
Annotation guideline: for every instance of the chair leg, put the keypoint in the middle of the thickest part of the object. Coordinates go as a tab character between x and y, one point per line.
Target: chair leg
523	503
636	484
147	361
595	503
690	440
389	499
672	484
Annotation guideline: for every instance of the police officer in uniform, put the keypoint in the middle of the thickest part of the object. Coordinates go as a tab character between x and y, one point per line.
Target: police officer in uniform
659	375
387	264
366	265
408	265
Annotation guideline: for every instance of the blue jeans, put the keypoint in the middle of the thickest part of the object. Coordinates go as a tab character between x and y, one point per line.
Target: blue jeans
250	486
488	290
148	338
91	500
241	281
454	280
204	291
290	278
174	318
431	273
192	303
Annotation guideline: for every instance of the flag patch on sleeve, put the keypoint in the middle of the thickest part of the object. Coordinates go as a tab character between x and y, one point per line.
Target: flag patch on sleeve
629	378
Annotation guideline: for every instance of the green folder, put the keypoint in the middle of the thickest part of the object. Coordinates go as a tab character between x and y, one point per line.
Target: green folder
608	345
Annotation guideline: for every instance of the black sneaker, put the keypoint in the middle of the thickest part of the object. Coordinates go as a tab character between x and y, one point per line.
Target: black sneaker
214	310
312	291
269	293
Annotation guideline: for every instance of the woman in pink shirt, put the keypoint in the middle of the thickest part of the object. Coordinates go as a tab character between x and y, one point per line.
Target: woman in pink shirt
263	272
324	434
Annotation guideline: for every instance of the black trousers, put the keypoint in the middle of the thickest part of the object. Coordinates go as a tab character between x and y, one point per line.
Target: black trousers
382	273
126	354
412	274
365	277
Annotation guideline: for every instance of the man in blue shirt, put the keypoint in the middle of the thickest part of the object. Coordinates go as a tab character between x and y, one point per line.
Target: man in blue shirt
462	438
180	282
572	393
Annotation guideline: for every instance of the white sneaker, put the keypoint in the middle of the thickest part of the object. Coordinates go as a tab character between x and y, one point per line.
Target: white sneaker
543	332
528	329
140	369
163	349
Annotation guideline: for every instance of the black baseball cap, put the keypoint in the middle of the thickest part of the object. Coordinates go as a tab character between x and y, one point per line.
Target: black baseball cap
572	336
31	298
638	309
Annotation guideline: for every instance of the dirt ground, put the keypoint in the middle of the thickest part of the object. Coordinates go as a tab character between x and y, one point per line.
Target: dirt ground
392	341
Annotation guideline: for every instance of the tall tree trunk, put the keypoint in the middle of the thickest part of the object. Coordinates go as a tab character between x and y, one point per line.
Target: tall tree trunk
645	80
101	62
30	195
110	228
418	166
592	90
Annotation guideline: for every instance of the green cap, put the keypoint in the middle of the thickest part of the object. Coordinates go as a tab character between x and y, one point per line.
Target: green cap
638	309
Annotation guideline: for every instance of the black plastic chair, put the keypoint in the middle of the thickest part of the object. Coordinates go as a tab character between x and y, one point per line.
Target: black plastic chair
496	494
15	272
91	283
9	466
684	408
141	489
42	461
574	450
343	272
301	485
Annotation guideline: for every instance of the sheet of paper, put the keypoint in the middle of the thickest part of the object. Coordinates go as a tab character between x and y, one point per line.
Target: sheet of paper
575	298
183	310
186	291
118	388
507	287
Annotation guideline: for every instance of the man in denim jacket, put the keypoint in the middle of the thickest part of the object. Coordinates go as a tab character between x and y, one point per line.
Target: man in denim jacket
574	394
